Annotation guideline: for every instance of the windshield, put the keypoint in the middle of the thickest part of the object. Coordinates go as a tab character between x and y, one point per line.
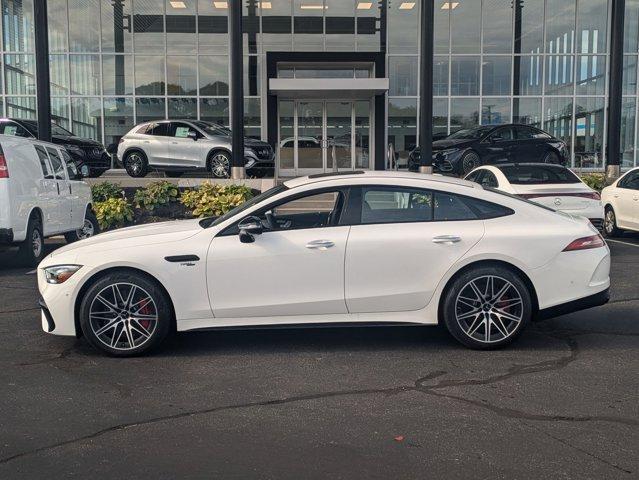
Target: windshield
213	128
539	175
471	133
55	128
212	221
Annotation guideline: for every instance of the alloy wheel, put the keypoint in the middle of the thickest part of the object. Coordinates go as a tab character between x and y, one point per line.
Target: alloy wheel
470	161
87	230
123	316
135	163
609	221
220	165
489	309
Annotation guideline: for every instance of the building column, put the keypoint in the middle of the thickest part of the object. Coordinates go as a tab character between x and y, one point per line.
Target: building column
43	89
613	135
427	27
236	52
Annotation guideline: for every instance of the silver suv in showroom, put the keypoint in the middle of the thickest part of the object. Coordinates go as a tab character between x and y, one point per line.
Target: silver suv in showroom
180	146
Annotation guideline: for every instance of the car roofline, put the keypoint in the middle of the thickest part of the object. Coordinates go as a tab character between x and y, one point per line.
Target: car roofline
376	174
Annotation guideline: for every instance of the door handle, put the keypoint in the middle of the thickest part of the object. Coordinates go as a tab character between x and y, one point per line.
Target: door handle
320	244
447	239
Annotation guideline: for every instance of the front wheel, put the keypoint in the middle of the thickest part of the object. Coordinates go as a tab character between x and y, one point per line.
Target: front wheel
469	161
610	223
89	228
125	314
487	307
220	165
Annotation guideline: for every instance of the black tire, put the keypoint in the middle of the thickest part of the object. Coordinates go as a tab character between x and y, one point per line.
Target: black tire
114	340
173	174
469	161
91	227
470	328
552	157
610	228
136	164
31	250
219	164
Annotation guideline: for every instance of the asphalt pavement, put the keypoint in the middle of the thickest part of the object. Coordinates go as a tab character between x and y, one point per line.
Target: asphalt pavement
405	402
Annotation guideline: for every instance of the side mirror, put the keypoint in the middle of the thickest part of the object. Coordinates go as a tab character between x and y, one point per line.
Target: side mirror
192	135
249	227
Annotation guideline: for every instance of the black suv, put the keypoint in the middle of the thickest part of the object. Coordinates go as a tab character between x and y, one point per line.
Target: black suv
466	149
83	151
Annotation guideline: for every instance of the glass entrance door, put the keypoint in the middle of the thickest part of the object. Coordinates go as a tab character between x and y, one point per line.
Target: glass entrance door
317	136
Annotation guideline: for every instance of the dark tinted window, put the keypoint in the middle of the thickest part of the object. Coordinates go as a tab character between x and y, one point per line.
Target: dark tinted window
44	161
452	207
630	181
157	129
502	135
528	133
538	174
396	205
12	128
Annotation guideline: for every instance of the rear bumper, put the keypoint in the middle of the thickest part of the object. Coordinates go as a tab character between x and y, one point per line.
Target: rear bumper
584	303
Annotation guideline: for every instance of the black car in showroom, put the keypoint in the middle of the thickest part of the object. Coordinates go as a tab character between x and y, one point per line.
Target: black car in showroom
466	149
85	152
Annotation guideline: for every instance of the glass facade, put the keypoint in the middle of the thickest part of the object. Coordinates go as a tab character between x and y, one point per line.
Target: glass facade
115	63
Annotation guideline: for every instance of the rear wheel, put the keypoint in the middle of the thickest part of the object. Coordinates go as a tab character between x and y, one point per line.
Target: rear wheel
136	164
32	249
469	161
552	157
125	314
610	223
90	228
487	307
220	164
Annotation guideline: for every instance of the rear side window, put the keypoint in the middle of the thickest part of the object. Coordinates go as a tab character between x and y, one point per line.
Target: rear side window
44	161
396	205
56	163
538	174
452	207
157	129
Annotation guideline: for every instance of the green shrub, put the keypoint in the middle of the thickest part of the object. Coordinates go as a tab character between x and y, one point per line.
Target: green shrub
596	181
104	190
212	200
113	212
155	194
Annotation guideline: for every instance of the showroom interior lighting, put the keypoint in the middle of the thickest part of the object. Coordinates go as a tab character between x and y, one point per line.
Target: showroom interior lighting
221	4
312	7
364	5
407	6
177	4
450	5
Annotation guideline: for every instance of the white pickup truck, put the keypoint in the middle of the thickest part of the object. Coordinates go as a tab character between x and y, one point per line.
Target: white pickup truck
41	194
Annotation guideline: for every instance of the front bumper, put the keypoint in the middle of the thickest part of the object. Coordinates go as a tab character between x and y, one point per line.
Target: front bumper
584	303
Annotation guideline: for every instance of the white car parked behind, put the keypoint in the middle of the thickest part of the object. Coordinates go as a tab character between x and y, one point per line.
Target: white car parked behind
621	203
553	186
363	247
41	195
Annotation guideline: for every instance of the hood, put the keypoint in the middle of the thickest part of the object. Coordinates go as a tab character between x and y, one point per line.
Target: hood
251	142
73	140
154	233
451	143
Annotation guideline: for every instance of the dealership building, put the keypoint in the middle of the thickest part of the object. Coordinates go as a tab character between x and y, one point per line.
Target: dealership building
318	73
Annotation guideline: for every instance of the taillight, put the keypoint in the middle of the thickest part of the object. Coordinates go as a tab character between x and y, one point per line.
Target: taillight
585	243
4	170
589	195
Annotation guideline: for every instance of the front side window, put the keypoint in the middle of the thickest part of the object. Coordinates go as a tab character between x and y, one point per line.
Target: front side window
182	130
311	211
502	135
72	169
630	181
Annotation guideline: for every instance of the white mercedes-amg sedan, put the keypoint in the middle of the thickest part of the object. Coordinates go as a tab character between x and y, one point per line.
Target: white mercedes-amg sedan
365	248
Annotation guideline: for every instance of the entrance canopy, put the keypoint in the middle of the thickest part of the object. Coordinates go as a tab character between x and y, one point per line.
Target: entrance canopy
353	88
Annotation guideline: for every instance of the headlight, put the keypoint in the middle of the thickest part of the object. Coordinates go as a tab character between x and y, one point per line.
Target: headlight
60	273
